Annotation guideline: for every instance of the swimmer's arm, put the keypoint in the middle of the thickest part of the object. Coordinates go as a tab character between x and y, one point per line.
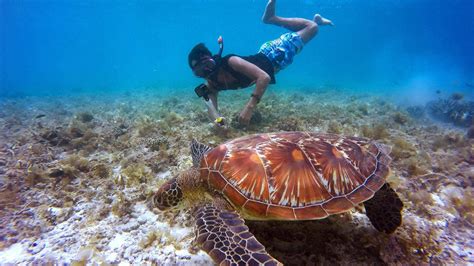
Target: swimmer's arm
212	106
261	78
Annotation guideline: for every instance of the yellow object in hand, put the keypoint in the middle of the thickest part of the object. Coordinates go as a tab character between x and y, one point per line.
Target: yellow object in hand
219	121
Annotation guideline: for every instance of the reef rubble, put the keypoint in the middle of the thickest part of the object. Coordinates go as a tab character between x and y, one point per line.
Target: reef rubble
77	173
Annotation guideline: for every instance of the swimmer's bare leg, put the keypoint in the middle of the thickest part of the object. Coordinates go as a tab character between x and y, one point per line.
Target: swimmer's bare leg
306	28
321	21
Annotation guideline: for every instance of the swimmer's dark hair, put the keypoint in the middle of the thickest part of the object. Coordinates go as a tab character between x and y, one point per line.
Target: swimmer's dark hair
198	52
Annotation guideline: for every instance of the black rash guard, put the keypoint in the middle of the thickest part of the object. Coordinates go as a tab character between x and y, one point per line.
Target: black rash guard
241	80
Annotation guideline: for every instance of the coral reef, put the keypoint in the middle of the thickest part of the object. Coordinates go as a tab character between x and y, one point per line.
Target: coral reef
85	117
449	140
75	185
453	110
470	132
457	96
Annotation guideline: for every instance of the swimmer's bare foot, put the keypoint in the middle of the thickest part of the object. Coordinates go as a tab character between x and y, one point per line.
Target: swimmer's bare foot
322	21
269	14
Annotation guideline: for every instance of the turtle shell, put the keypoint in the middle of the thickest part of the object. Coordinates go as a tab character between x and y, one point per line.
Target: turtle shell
295	175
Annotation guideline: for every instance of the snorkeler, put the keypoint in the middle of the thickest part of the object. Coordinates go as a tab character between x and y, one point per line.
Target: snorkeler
235	72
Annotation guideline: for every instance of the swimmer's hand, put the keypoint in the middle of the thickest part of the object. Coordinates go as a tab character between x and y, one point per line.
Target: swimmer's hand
245	115
220	121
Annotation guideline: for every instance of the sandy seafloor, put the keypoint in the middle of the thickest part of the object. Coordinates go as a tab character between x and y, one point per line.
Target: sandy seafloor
76	174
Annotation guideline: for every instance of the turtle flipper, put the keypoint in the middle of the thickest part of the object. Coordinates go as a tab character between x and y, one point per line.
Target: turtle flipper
225	237
197	151
384	209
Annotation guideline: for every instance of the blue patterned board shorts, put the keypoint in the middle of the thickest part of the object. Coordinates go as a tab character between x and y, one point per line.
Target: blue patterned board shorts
282	50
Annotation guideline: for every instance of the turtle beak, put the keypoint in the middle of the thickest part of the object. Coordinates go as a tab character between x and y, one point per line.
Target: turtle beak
157	201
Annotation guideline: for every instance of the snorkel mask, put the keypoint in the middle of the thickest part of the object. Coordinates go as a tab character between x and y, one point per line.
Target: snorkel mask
207	65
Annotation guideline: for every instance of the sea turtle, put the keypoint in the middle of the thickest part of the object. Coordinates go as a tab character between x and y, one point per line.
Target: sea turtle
279	176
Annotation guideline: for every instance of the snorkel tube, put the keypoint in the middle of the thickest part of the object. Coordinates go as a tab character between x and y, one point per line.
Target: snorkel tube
203	91
220	41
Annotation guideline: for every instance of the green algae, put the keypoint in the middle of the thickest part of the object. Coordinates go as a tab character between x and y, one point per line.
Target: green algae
101	170
377	132
77	162
290	123
121	206
85	117
35	175
465	205
145	126
402	149
411	155
448	141
400	118
136	174
334	127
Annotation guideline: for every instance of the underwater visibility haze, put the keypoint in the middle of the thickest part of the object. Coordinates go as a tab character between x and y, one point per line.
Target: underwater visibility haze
63	46
98	111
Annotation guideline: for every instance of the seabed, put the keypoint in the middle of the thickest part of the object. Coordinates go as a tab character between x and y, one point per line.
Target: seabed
76	174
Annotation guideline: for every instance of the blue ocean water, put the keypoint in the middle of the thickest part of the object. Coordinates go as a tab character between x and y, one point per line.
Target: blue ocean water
78	171
59	46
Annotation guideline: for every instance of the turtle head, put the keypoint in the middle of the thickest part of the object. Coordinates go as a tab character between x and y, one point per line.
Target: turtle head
169	195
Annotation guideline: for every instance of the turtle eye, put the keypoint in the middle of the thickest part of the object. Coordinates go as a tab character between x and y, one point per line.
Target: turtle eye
168	196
